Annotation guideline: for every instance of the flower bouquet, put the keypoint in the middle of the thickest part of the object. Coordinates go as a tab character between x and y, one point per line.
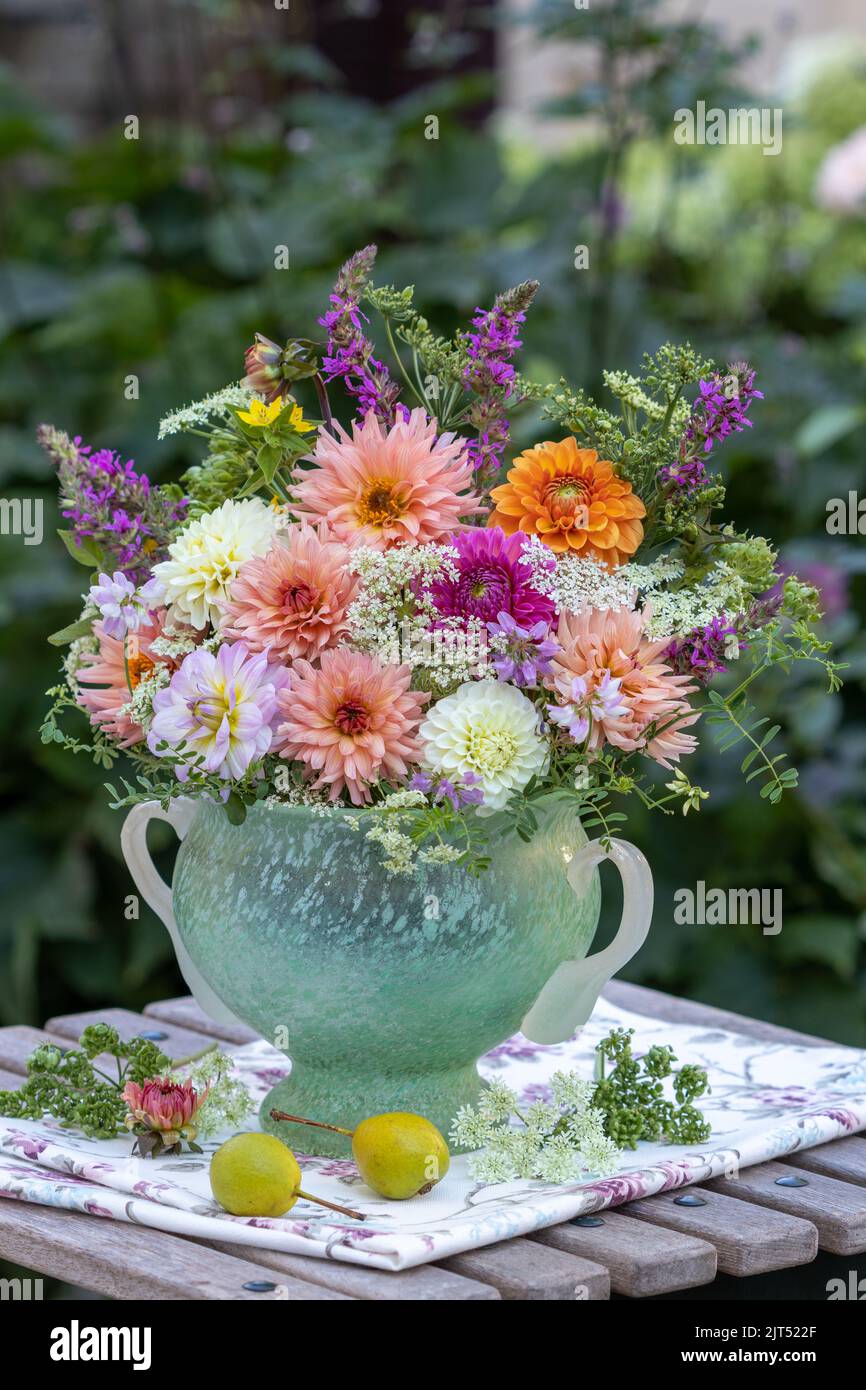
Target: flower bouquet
382	676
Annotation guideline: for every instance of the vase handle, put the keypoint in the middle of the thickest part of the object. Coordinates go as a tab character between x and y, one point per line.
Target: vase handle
570	995
157	894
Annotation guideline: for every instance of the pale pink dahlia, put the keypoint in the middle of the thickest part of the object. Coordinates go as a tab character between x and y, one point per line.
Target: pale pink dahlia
387	487
351	721
292	601
114	672
602	646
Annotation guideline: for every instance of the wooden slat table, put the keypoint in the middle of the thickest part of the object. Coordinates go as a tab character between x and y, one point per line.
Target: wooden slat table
746	1226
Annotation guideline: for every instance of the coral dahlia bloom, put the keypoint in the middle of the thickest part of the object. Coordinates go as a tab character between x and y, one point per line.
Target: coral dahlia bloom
386	487
350	721
292	601
601	644
114	672
572	500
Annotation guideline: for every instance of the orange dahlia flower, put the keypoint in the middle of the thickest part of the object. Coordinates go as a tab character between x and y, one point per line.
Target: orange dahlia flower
653	711
572	500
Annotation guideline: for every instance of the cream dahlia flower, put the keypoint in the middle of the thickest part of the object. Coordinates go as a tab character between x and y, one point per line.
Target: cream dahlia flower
207	556
489	729
388	487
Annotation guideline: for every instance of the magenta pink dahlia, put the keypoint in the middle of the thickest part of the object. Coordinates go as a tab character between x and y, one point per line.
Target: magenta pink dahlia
491	580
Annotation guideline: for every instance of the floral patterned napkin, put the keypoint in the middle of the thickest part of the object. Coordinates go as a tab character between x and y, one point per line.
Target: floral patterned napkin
767	1099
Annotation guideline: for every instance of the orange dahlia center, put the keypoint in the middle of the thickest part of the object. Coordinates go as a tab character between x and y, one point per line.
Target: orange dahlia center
566	497
136	668
352	717
380	503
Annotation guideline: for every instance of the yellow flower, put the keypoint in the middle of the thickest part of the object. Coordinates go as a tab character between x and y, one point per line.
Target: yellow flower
297	421
260	414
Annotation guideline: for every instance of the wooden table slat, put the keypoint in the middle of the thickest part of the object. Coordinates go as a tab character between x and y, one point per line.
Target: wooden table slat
427	1283
185	1013
837	1209
642	1259
135	1262
749	1239
178	1042
522	1269
16	1045
10	1080
844	1159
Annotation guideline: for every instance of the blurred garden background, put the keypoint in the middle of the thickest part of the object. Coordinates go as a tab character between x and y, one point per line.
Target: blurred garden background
304	126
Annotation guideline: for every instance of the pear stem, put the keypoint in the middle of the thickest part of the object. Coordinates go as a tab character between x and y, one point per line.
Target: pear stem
317	1124
334	1206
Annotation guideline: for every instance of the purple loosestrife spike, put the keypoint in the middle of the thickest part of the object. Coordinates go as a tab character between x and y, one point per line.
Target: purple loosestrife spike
349	354
489	375
112	507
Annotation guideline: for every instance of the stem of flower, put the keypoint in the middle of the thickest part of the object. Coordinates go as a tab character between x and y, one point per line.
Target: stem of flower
317	1124
194	1056
334	1206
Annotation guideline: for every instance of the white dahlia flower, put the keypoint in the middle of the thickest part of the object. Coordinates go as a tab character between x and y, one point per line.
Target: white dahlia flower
204	560
490	729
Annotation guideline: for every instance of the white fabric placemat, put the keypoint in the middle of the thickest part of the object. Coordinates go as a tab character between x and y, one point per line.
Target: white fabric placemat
767	1099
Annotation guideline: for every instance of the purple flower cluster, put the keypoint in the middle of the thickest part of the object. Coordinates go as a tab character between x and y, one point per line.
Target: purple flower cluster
521	654
489	374
112	508
704	652
723	406
688	473
722	409
349	355
464	791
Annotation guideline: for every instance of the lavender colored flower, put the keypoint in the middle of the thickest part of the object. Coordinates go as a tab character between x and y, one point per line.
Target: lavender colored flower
218	712
688	473
491	579
463	791
489	375
602	702
349	354
521	654
705	651
112	508
119	606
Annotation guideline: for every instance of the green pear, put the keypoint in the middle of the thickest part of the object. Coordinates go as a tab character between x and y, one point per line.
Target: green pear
399	1155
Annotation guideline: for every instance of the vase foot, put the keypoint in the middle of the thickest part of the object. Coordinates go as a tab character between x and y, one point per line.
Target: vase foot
345	1098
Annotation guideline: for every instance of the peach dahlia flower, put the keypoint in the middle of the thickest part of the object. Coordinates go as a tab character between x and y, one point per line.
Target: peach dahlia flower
596	642
292	601
350	721
386	487
572	500
114	672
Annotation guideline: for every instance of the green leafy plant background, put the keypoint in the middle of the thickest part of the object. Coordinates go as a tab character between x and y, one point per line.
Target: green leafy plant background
155	257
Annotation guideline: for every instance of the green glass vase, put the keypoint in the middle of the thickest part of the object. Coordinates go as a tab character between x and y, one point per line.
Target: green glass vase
384	990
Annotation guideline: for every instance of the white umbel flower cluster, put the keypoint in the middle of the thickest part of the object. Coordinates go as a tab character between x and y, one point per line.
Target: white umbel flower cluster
192	417
488	728
206	557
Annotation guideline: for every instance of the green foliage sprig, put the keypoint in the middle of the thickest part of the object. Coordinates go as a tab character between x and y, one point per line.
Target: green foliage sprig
72	1089
632	1096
